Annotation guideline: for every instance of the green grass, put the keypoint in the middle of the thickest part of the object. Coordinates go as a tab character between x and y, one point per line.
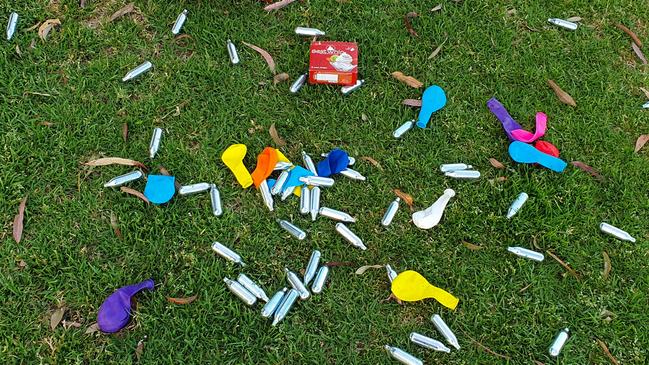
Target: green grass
74	259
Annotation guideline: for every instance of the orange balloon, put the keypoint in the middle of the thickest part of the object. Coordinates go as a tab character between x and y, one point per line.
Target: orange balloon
266	162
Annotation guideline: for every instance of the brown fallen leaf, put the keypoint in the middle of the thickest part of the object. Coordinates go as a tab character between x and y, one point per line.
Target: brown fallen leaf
125	131
164	171
181	301
373	162
630	33
278	5
565	266
406	22
46	27
275	136
115	161
582	166
436	8
645	91
607	265
22	264
638	52
640	142
92	328
338	263
438	49
563	96
607	352
407	198
56	317
115	225
412	102
471	246
70	324
495	163
128	8
574	19
280	78
139	350
408	80
265	55
361	270
134	192
391	298
18	221
46	123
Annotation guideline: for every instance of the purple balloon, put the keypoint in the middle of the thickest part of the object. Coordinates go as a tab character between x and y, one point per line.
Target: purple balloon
336	161
115	311
509	124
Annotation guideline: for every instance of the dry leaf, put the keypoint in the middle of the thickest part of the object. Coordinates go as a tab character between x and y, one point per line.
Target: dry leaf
438	49
495	163
164	171
407	198
275	136
406	22
437	8
607	265
412	102
82	4
471	246
364	117
92	328
563	96
68	324
115	225
628	31
18	51
565	266
511	12
582	166
278	5
123	11
22	264
265	55
638	52
46	123
640	142
645	91
408	80
280	78
372	161
46	27
36	93
125	131
134	192
139	349
337	263
181	301
35	26
608	354
115	161
361	270
18	221
56	317
574	19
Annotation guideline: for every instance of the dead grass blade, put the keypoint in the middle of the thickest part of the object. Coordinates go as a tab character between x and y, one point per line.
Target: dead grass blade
134	192
640	142
574	19
438	49
407	198
565	266
264	54
361	270
412	102
406	22
563	96
18	221
92	328
338	263
46	27
115	224
645	91
128	8
408	80
182	301
436	8
594	173
495	163
115	161
607	265
279	141
638	52
278	5
125	131
485	348
630	33
373	162
472	246
607	352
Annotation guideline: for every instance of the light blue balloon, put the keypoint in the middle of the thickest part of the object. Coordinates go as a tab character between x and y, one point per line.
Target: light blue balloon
433	99
160	189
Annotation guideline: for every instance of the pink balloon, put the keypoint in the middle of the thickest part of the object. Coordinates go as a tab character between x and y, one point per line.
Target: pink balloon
527	137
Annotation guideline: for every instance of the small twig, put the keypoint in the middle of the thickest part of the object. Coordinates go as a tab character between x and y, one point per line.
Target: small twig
488	350
628	31
608	354
565	266
338	263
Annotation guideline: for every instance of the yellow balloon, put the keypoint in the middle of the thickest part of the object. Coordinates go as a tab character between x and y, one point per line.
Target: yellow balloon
233	158
411	286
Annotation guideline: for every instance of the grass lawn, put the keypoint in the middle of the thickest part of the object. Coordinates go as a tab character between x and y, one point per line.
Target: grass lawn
69	255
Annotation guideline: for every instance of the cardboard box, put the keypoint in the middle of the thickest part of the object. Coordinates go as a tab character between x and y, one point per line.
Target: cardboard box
333	63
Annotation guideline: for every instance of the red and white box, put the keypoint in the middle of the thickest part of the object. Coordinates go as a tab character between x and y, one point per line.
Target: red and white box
334	63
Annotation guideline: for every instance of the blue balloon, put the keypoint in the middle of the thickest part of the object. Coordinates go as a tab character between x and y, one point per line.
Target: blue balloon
336	161
160	189
525	153
433	99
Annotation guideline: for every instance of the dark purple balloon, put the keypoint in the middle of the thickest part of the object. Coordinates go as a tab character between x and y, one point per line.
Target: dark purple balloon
115	311
509	124
336	161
